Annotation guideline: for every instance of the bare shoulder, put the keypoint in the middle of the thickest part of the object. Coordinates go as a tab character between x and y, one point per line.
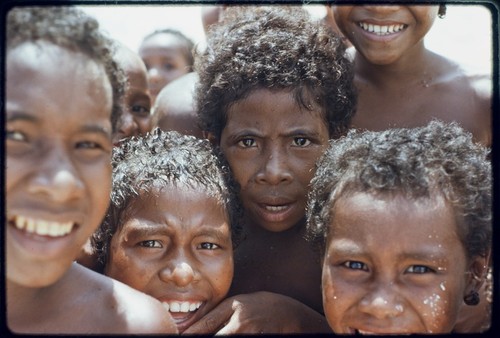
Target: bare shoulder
474	78
117	308
143	313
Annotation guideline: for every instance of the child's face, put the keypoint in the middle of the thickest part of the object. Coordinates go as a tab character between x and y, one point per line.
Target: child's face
164	56
272	146
382	34
393	265
176	247
58	153
136	118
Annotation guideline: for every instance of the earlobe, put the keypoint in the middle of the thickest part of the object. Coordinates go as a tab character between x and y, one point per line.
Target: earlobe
477	272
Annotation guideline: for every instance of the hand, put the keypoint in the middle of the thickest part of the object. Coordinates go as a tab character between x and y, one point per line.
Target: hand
260	312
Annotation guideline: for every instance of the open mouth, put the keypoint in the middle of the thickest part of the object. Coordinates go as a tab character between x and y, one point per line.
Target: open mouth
42	227
182	313
382	29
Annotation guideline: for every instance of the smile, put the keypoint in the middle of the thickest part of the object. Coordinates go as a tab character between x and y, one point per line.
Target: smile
174	306
42	227
382	30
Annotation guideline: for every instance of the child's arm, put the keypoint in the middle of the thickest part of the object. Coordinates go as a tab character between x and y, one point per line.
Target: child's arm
260	312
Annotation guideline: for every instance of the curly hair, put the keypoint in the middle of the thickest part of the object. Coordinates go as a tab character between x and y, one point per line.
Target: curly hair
159	158
275	48
418	163
70	28
187	42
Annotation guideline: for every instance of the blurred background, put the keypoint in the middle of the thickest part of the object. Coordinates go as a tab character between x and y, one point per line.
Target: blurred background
465	34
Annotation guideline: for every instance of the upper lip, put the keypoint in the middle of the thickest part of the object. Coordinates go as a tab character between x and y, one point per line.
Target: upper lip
274	200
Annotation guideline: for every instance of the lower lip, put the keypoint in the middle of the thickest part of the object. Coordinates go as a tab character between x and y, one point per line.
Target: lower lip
275	216
41	247
380	38
183	320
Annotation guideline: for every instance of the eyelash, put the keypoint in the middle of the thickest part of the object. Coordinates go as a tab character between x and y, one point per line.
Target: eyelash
213	246
151	241
349	265
426	269
11	134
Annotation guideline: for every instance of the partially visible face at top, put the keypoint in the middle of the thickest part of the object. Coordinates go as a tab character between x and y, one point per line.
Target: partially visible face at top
271	145
165	58
383	34
58	158
175	246
136	111
175	109
393	266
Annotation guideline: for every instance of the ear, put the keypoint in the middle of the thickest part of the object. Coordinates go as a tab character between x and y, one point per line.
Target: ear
211	137
476	274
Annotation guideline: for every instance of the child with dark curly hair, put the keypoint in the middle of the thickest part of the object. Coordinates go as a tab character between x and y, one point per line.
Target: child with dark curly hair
274	87
63	91
168	54
403	218
172	223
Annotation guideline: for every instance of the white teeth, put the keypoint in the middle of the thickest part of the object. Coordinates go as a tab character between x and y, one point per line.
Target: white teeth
43	228
381	30
275	207
181	306
185	307
175	307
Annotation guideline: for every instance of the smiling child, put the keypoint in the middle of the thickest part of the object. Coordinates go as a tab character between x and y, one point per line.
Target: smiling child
168	232
403	218
62	92
403	84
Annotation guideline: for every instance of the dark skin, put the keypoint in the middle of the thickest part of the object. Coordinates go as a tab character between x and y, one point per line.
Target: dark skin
59	175
271	145
403	84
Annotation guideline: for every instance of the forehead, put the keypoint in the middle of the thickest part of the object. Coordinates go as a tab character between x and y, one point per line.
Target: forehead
379	219
167	41
63	80
276	107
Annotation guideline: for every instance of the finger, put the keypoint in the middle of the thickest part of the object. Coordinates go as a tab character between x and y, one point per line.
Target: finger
212	321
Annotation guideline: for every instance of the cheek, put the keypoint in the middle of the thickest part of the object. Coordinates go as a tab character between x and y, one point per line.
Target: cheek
439	312
220	275
144	125
331	301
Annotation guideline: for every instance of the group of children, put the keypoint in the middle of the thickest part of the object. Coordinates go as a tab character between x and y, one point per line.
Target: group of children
276	216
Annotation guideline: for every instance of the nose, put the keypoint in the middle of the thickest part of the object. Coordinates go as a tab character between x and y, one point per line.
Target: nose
178	272
127	125
275	168
57	178
385	9
154	75
382	302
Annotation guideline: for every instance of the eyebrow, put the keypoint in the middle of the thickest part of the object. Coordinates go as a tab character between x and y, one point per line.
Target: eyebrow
96	128
87	128
20	116
212	232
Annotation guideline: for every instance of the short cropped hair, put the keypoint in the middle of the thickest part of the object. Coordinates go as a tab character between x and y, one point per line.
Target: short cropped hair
70	28
417	163
187	42
159	158
274	48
